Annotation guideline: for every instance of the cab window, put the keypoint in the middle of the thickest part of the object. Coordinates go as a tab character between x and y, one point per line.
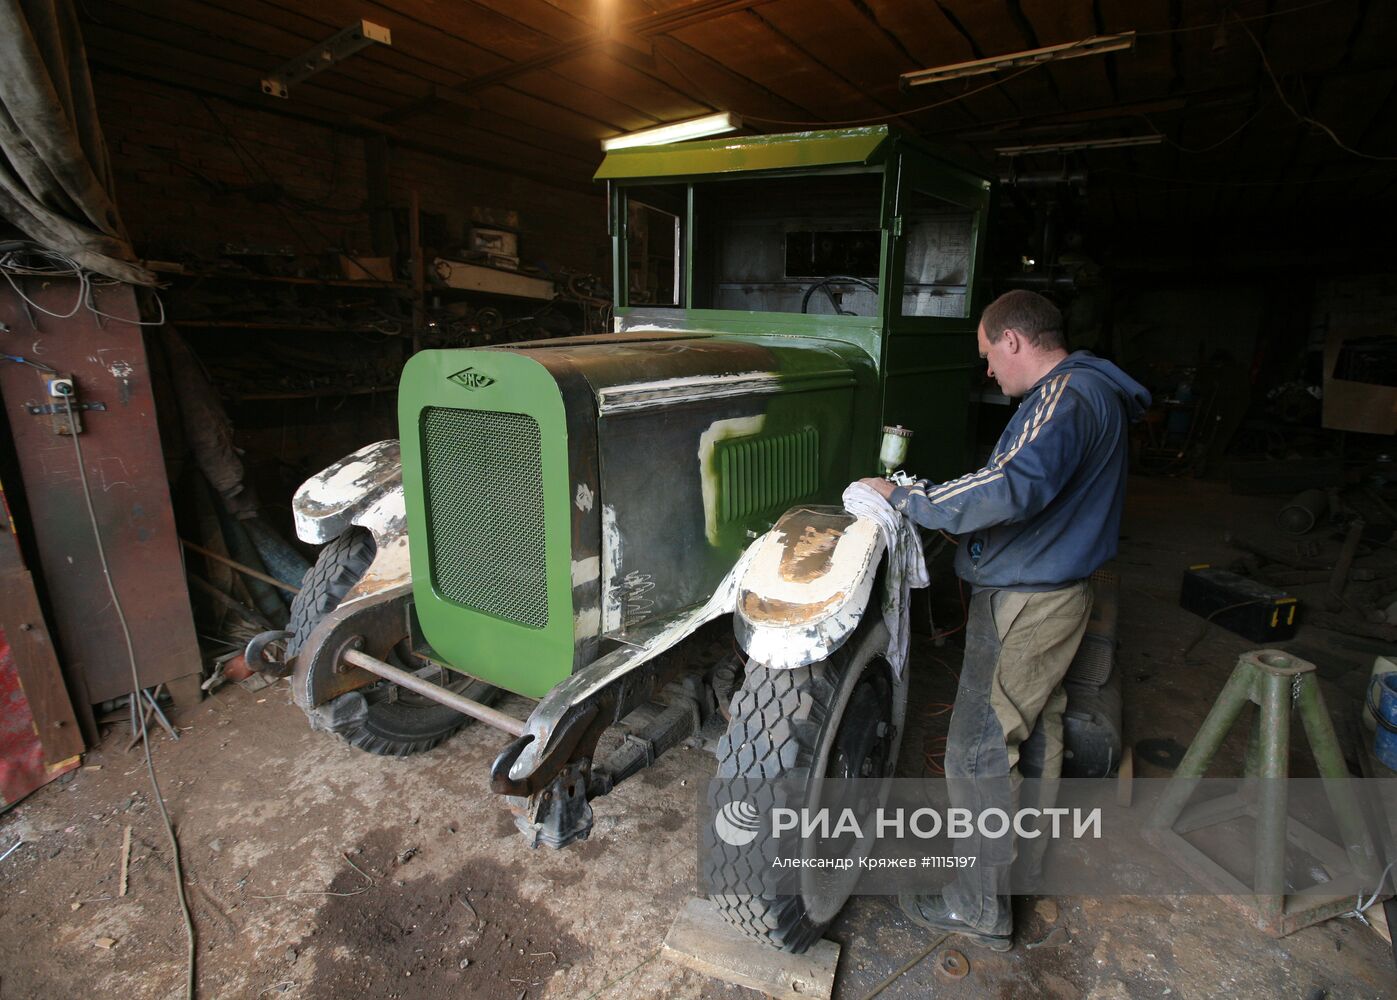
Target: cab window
789	244
939	240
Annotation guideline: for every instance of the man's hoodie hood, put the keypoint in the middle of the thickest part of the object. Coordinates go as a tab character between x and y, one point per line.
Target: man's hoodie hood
1135	395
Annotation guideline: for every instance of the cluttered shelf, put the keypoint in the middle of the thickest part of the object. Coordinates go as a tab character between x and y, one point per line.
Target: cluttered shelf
221	274
400	286
280	293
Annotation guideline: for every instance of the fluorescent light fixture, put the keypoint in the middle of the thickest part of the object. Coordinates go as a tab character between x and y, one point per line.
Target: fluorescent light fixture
339	46
1068	147
1092	46
694	128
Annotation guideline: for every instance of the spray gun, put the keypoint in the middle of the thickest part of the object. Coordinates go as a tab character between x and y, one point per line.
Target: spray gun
893	452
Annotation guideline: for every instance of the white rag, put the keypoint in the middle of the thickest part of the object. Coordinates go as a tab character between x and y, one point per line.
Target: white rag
906	564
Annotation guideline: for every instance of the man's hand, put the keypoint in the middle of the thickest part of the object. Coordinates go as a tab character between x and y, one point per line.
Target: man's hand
883	486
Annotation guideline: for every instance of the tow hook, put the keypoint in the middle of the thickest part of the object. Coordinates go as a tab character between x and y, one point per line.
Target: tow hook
256	653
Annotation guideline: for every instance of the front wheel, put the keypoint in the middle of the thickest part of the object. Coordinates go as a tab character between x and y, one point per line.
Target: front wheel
382	718
840	718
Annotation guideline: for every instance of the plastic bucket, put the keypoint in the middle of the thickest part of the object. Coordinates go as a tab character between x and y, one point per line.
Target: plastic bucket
1381	665
1384	709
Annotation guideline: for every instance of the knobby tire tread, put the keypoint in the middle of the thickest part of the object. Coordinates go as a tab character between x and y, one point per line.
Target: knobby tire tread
390	729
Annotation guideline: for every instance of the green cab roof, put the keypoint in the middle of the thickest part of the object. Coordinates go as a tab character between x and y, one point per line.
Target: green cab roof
830	147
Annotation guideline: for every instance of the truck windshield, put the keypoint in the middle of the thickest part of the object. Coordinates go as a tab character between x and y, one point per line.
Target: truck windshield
788	244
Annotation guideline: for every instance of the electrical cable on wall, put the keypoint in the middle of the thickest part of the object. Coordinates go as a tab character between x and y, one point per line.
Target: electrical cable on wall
137	708
17	359
248	160
1304	119
33	261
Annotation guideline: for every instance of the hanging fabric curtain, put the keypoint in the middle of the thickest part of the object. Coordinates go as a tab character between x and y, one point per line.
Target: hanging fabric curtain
55	176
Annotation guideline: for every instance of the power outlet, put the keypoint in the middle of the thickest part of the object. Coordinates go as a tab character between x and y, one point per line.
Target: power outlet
62	390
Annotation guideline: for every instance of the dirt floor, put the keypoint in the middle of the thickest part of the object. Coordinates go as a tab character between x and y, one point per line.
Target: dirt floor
318	872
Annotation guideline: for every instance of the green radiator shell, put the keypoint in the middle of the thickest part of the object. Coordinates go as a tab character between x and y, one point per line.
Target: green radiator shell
466	614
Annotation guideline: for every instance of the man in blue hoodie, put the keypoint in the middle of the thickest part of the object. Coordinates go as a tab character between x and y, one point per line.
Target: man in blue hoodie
1032	526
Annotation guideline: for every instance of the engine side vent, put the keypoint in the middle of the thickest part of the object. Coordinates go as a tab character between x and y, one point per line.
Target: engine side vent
762	473
482	474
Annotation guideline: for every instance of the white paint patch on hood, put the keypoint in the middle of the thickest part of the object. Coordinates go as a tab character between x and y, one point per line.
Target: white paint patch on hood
586	624
613	598
686	388
583	498
585	570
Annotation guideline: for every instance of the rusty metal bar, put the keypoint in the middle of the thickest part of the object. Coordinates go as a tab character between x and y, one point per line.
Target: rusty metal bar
240	567
462	704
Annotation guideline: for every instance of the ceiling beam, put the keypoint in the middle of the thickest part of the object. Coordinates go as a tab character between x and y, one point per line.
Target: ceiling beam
349	124
627	34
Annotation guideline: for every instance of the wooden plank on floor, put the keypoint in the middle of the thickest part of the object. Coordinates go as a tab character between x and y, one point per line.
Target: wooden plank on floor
703	941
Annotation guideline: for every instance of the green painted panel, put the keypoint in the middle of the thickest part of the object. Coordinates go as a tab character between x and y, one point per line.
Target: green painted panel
761	473
483	432
834	147
927	389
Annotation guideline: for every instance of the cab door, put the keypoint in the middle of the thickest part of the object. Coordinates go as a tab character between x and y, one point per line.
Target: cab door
935	294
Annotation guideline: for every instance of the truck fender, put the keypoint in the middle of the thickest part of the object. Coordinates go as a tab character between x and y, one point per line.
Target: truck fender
365	489
807	586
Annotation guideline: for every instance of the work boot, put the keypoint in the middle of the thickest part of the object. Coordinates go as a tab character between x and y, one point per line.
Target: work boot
931	910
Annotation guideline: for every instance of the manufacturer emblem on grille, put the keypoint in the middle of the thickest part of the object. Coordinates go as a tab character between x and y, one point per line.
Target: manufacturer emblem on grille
471	379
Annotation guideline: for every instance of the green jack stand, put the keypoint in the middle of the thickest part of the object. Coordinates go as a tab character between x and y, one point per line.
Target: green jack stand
1275	682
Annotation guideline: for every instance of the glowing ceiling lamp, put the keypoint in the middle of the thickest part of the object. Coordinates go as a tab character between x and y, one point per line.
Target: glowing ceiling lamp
694	128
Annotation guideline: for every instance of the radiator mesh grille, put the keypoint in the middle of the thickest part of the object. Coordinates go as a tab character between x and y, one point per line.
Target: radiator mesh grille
484	493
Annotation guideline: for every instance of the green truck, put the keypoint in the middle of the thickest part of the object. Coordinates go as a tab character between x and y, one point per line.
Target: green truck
560	518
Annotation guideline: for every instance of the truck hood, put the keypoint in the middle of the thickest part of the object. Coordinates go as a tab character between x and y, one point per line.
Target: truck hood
642	369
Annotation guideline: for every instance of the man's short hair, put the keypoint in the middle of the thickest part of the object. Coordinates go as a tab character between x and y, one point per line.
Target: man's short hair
1033	316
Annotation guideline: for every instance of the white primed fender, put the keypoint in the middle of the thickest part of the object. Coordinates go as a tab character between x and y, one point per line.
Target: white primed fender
365	489
807	586
328	502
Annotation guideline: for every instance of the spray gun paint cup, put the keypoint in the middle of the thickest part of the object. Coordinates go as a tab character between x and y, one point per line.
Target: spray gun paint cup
893	451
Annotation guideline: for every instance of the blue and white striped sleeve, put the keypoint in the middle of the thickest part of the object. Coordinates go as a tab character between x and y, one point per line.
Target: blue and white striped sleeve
1020	479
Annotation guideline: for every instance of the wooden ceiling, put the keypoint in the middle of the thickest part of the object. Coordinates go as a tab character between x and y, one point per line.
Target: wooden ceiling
532	85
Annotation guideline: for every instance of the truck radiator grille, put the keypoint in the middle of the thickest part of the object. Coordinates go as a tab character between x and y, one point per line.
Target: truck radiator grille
757	474
484	499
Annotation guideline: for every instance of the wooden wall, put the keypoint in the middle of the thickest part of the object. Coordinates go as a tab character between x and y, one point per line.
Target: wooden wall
194	172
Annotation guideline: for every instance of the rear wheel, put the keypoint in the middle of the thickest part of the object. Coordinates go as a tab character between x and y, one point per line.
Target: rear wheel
840	718
382	718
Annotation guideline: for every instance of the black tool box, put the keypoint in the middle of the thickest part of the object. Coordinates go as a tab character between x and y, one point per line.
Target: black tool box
1239	604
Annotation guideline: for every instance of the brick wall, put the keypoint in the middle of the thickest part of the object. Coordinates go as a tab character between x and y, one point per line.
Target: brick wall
194	173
